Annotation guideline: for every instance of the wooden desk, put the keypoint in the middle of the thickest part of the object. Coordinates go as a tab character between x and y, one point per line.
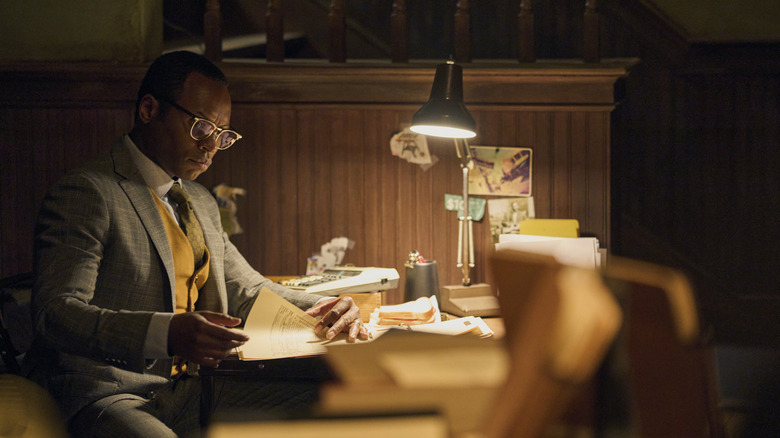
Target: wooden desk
312	368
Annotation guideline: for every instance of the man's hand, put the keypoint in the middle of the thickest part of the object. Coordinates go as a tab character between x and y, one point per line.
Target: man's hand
340	314
204	337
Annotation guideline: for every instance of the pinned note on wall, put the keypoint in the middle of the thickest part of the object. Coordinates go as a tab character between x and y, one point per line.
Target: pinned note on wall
412	147
455	203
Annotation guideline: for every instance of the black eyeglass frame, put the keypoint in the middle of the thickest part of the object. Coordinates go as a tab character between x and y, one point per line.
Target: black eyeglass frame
197	119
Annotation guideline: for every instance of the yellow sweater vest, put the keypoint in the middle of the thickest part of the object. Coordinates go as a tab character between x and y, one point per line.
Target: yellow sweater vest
188	281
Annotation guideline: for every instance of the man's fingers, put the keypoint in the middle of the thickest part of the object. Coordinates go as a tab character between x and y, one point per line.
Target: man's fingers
220	319
339	315
349	321
317	309
201	337
218	336
219	327
354	330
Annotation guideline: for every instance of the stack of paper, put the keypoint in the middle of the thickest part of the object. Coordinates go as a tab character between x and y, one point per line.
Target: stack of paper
573	251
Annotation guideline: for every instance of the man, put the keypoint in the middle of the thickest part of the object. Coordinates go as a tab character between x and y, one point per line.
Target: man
125	300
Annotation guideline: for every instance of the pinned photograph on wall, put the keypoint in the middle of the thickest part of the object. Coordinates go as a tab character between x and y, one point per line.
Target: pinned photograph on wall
505	215
412	147
500	171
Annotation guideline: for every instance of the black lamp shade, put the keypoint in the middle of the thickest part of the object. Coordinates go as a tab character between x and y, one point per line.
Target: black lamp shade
445	115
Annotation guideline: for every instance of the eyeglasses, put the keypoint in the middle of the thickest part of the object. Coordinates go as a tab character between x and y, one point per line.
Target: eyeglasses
203	128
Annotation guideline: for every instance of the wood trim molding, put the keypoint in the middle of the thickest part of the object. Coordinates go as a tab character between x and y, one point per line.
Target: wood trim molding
508	83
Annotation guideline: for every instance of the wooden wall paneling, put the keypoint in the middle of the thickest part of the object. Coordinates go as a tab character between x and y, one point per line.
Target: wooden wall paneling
355	151
509	130
338	174
54	154
85	121
273	183
372	139
580	168
330	186
254	168
333	201
561	164
390	211
307	142
14	202
289	191
405	210
543	161
322	178
525	135
596	204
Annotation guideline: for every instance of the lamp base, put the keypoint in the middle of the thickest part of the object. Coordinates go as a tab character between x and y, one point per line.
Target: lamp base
475	300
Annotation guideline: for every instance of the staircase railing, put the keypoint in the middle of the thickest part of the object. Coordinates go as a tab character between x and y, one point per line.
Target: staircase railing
274	22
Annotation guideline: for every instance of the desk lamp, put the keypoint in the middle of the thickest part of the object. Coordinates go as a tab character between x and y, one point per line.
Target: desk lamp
445	115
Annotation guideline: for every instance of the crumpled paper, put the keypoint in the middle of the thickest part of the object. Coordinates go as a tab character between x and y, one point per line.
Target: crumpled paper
331	254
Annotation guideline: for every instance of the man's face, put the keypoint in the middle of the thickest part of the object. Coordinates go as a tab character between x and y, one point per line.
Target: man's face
174	149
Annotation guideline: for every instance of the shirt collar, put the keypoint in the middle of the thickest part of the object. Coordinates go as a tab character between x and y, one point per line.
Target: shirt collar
154	176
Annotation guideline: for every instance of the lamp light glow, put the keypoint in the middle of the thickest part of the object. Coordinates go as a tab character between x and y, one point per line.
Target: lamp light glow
443	131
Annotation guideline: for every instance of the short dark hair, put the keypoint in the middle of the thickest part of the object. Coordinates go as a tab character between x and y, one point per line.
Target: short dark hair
165	77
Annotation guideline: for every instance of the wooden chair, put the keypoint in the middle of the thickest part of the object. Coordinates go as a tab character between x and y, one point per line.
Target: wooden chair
26	409
671	372
15	321
560	321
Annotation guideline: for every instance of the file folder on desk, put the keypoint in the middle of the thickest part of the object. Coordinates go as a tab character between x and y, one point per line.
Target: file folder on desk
551	227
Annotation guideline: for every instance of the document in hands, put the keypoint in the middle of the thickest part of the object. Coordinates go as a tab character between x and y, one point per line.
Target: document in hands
278	329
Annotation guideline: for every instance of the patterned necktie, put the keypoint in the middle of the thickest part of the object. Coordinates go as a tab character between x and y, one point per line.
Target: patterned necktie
188	222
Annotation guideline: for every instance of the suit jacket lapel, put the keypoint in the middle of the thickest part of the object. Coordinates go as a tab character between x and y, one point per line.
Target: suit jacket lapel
143	202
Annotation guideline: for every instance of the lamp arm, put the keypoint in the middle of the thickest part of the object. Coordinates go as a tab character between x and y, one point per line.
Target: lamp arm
465	233
464	152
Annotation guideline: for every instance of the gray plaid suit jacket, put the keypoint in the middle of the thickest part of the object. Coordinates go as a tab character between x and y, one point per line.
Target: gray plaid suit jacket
103	266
